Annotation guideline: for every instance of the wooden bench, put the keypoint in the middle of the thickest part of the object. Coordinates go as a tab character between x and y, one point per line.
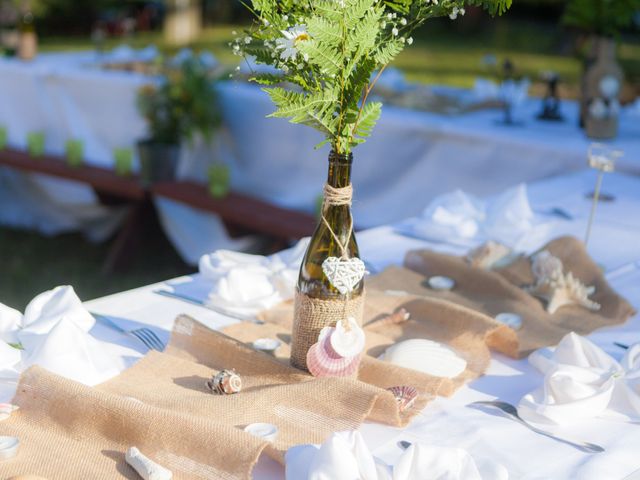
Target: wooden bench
241	210
102	180
236	209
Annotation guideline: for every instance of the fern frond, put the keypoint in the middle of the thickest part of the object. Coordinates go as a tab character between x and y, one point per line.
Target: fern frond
368	118
324	31
354	10
362	38
266	79
387	52
324	56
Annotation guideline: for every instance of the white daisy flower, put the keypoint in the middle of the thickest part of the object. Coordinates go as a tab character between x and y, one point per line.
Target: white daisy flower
291	37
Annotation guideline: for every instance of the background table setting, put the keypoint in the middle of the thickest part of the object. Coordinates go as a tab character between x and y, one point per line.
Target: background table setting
584	391
54	96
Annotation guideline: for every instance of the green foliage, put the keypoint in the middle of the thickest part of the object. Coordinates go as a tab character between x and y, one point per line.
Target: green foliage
182	104
327	53
601	17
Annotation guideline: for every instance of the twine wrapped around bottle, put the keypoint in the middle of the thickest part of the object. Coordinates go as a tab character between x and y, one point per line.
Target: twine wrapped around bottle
311	315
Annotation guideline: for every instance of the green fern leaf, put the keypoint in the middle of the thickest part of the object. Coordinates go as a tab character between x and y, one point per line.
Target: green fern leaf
324	56
387	52
266	79
368	118
324	31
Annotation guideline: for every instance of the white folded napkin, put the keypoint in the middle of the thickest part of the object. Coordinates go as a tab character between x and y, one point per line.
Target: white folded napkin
10	323
514	92
69	351
345	456
463	219
245	283
9	358
445	463
582	381
47	309
484	89
54	333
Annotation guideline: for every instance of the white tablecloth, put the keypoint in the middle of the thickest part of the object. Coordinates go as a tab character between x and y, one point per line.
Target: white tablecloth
412	157
446	421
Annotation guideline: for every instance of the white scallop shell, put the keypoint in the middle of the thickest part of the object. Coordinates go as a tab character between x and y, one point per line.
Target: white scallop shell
426	356
348	342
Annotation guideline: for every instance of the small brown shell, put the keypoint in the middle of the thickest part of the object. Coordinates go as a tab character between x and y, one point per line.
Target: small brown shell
225	382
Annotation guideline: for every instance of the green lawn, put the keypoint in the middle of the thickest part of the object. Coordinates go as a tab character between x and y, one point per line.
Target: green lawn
444	53
31	264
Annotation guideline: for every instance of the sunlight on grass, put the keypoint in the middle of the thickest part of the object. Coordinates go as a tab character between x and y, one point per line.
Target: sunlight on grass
445	53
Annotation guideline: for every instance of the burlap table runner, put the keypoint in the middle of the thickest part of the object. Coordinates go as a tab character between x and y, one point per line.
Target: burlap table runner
161	405
468	332
70	431
493	292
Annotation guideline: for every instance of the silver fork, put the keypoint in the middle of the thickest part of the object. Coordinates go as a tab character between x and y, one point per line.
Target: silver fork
511	411
144	334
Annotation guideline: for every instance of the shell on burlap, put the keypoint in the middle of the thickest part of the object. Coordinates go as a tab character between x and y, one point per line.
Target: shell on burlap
557	288
405	395
490	255
324	361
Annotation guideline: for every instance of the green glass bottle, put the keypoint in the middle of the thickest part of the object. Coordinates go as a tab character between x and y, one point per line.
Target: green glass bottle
318	303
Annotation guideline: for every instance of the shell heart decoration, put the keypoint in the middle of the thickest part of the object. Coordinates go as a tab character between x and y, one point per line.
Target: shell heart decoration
324	361
344	274
347	341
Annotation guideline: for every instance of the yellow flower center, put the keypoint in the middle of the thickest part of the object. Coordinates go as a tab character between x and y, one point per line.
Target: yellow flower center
301	38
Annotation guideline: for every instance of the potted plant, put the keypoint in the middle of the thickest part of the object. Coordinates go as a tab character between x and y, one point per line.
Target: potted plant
181	105
328	55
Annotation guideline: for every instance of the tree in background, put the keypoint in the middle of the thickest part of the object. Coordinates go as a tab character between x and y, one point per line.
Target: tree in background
601	17
183	21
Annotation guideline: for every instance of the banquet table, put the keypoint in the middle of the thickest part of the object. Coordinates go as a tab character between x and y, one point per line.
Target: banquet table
615	245
413	156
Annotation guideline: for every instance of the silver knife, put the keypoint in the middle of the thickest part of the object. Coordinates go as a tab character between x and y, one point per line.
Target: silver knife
200	303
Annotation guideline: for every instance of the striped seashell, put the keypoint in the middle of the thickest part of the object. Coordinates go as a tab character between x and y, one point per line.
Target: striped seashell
405	396
323	361
6	409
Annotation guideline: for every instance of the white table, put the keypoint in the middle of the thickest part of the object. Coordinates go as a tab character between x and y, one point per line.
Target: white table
447	421
412	157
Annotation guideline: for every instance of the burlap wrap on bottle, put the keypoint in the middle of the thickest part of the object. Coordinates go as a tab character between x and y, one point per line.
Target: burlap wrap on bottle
313	314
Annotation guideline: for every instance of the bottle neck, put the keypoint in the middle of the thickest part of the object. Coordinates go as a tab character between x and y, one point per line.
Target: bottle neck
339	170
